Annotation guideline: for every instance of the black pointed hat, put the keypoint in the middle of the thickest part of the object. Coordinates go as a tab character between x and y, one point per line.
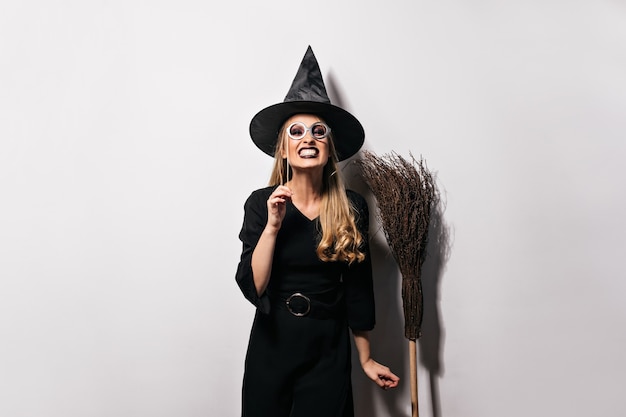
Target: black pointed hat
308	95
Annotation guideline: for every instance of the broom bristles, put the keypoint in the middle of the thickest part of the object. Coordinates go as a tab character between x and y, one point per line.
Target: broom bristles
405	192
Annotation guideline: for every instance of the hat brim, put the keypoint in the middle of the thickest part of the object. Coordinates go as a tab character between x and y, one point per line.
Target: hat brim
348	133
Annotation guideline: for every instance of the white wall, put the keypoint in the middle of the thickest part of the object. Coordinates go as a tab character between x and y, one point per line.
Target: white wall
125	161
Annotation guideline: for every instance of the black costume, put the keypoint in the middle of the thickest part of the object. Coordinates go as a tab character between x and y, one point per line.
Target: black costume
300	365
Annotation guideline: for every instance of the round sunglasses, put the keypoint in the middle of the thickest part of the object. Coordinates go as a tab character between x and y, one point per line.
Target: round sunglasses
297	130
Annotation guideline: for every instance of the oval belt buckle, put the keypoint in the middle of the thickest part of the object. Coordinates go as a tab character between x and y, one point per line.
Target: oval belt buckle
302	296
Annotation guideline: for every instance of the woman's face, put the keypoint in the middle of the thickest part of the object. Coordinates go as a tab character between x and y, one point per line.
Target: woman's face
306	142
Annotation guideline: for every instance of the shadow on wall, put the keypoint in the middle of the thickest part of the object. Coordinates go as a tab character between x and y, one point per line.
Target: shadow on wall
431	342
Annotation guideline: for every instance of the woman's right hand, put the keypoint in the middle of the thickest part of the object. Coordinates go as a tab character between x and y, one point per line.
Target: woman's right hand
277	206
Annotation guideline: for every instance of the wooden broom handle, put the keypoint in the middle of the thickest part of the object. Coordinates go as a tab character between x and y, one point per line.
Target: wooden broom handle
413	366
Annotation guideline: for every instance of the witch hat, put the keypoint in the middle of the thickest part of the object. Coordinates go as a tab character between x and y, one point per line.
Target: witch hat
308	95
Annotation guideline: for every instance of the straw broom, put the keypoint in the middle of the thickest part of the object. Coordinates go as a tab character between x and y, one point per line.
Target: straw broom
405	193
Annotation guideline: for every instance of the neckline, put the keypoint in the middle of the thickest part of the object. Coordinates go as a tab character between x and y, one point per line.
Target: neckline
304	215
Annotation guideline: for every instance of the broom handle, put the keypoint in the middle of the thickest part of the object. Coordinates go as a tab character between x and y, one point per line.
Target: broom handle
413	366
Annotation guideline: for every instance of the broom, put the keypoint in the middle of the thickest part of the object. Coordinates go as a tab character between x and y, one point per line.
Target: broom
405	193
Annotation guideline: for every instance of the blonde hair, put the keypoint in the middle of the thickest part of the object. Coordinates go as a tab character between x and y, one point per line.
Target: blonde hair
341	239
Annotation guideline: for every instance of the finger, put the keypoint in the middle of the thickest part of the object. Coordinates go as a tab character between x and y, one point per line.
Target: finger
284	188
380	383
276	200
387	374
282	191
393	383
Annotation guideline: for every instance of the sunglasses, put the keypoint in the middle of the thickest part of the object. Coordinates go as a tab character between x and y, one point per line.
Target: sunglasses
297	130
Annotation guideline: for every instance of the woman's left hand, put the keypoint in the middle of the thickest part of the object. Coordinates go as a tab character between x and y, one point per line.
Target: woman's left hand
380	374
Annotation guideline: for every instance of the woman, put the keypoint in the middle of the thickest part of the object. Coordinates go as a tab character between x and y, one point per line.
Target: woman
305	262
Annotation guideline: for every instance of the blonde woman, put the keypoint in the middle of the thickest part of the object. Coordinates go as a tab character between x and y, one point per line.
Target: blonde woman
305	262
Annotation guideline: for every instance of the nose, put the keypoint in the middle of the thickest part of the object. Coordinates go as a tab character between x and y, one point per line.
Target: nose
308	137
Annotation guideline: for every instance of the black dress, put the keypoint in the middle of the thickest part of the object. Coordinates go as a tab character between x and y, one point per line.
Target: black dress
299	366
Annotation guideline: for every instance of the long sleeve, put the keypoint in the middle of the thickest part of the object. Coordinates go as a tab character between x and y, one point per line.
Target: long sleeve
358	279
254	221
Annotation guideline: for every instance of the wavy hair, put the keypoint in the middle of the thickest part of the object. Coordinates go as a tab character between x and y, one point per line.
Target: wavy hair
340	238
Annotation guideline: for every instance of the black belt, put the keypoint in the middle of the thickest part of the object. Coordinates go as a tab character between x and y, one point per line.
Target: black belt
303	305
